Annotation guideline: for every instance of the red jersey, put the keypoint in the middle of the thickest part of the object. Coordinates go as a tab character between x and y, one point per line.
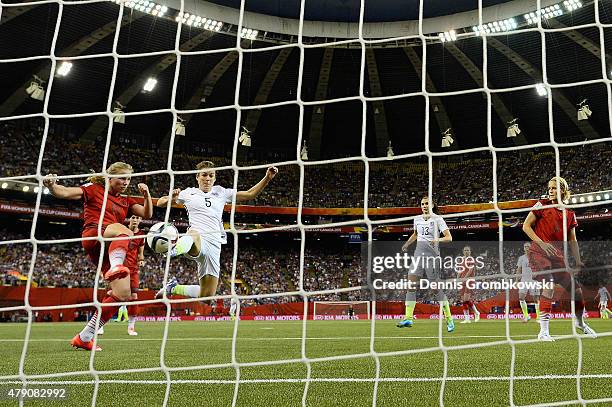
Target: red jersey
131	257
468	267
549	225
117	206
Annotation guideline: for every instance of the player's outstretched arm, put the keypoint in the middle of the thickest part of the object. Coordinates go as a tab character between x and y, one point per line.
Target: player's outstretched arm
144	211
256	189
163	201
60	191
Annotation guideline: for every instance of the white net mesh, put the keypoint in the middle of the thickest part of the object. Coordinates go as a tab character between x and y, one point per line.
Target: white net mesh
101	377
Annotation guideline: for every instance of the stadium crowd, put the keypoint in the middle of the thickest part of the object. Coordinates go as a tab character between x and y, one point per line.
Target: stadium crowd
259	270
457	179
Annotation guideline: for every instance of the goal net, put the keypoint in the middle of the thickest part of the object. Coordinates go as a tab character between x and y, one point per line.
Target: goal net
469	146
341	310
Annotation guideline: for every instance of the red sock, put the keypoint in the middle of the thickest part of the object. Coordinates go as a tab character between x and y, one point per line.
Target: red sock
466	305
470	304
545	305
108	312
132	310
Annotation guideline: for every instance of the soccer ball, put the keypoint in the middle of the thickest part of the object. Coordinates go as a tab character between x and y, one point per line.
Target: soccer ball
162	236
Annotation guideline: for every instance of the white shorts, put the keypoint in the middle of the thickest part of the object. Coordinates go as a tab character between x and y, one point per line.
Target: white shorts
208	259
534	292
603	304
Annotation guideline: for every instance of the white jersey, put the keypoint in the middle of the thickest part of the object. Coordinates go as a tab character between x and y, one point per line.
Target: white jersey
526	272
430	229
205	211
603	294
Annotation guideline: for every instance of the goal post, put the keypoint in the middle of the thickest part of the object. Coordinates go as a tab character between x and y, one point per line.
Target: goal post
341	310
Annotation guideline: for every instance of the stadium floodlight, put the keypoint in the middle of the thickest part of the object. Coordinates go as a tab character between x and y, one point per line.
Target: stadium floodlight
447	139
606	196
245	137
4	185
541	89
119	113
571	5
46	191
590	198
199	21
144	6
390	153
546	12
584	112
180	127
448	36
304	152
574	200
64	68
495	26
25	188
36	189
248	33
149	84
36	90
513	128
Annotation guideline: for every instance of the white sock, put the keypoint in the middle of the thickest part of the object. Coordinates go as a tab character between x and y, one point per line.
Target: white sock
131	322
475	309
467	314
233	307
544	322
87	334
116	257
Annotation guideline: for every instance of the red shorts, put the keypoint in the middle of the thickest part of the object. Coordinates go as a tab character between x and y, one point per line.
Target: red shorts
465	292
92	249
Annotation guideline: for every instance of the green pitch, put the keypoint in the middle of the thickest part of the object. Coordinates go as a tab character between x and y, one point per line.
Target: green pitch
405	379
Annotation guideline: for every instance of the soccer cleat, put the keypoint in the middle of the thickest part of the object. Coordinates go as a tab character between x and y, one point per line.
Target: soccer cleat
76	342
101	331
477	317
450	325
406	323
545	337
465	321
527	319
168	288
132	332
117	272
587	330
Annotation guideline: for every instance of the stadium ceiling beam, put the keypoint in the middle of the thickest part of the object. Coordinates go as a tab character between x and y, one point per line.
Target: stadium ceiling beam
380	118
76	48
334	29
558	96
8	13
318	112
579	39
207	85
253	115
100	125
441	115
475	73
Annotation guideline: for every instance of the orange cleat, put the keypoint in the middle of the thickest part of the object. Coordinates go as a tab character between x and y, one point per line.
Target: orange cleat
117	272
78	343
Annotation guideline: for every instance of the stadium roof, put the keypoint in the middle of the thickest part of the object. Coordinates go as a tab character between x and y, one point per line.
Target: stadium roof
392	69
348	10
